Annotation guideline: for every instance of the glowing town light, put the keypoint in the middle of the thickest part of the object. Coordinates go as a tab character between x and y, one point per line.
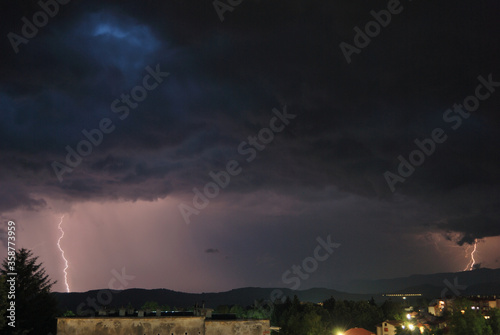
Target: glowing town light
62	254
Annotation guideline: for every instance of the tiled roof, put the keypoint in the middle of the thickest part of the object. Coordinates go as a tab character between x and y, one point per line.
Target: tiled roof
358	331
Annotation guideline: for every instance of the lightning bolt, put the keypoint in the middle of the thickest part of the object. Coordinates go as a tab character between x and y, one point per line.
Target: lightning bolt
472	262
472	255
62	254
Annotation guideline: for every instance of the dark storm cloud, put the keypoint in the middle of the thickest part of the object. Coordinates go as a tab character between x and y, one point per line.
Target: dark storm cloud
475	218
475	227
353	120
212	251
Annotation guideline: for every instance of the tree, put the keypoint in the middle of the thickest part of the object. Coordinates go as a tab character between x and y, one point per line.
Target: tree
392	310
312	322
36	306
150	306
347	314
280	312
222	309
494	321
3	302
466	321
165	308
69	313
238	310
329	304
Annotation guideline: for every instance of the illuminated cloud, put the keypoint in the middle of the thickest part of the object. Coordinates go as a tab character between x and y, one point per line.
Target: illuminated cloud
321	175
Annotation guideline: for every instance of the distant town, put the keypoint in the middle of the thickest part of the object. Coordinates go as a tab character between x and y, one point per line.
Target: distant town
406	314
469	304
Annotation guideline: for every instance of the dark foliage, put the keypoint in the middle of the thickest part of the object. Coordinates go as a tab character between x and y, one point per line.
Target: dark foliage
36	306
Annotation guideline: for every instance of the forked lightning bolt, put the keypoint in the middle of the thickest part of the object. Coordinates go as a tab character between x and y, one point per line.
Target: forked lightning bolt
62	254
472	262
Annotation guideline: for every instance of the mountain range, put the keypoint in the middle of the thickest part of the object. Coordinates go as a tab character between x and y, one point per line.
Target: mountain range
481	281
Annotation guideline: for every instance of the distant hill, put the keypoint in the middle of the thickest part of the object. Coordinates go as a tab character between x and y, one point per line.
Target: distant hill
438	280
242	296
480	281
484	289
432	292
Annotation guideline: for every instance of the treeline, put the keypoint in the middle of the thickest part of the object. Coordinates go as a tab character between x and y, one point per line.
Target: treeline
296	317
332	316
463	320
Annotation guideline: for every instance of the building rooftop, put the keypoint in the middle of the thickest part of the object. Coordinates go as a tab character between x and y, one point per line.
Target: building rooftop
358	331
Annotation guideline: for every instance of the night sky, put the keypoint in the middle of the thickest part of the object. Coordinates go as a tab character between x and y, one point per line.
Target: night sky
379	137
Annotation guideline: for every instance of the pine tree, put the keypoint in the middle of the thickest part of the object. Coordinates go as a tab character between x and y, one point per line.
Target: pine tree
3	302
36	306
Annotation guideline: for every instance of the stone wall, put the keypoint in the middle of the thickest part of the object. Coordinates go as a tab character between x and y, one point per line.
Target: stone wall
177	325
237	327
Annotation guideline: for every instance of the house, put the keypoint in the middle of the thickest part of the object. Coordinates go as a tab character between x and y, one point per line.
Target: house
388	327
358	331
436	307
484	303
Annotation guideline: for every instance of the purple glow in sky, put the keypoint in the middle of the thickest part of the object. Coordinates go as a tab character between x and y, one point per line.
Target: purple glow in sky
93	83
